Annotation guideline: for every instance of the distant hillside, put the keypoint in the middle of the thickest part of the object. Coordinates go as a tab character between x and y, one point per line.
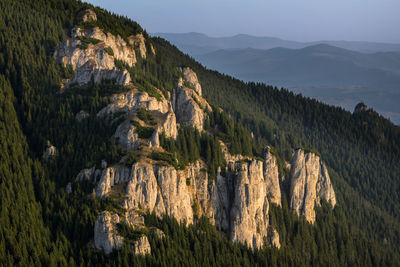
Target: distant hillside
327	71
197	43
331	74
314	65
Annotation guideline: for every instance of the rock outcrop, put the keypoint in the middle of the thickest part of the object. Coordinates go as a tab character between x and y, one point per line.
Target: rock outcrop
126	135
133	100
86	52
309	183
87	15
273	237
237	204
360	107
237	201
189	107
109	177
249	213
92	53
142	246
51	151
105	232
271	175
139	43
128	104
81	115
191	77
324	188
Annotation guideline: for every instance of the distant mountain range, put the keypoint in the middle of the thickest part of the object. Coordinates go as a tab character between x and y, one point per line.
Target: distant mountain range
197	43
336	72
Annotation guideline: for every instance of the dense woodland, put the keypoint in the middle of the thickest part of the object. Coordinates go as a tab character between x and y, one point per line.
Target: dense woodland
41	225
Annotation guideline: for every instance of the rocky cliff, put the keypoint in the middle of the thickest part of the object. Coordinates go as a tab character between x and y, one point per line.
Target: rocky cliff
309	184
236	201
92	53
187	102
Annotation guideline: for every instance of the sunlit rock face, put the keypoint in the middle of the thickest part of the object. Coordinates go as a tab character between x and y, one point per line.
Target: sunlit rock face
309	183
237	201
105	232
92	53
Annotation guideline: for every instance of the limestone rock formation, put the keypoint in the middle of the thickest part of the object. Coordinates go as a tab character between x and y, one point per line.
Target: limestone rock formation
131	101
87	15
106	235
236	201
191	77
157	232
139	43
85	174
81	115
273	237
91	53
168	124
109	177
360	107
142	246
186	105
271	175
324	188
237	204
249	213
68	188
221	201
128	104
126	135
93	61
105	232
306	172
121	50
51	151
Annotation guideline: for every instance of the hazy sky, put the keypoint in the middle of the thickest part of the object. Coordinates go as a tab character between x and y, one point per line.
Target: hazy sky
301	20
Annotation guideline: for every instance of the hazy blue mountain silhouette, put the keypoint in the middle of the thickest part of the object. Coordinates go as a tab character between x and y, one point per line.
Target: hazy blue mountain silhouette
329	73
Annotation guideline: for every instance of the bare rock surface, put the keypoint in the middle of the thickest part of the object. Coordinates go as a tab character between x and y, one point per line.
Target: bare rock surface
237	201
142	246
271	175
91	53
191	77
131	101
81	115
93	61
187	108
87	15
50	152
126	135
138	42
306	172
249	213
105	232
273	237
109	177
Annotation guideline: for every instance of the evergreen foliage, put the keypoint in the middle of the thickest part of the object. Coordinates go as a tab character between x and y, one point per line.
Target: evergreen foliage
42	225
191	145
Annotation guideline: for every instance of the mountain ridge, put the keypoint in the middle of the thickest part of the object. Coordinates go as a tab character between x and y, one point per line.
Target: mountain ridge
261	42
360	151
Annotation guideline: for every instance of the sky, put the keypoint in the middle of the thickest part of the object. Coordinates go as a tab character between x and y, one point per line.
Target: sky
299	20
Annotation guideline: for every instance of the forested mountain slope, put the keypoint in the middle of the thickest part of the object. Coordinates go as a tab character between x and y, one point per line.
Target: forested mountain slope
50	215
